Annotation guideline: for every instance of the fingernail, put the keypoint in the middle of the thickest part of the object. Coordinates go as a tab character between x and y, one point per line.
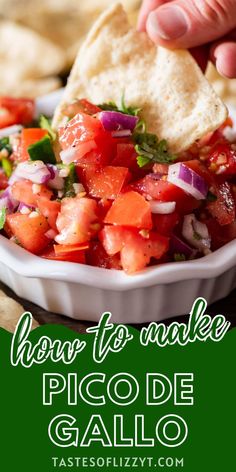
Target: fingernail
167	23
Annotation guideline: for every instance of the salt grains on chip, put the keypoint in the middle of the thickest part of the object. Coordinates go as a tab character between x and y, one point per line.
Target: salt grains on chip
177	101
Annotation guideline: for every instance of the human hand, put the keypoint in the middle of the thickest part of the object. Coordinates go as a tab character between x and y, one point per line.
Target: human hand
206	27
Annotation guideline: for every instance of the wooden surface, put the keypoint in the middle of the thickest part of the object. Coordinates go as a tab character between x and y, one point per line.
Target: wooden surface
226	307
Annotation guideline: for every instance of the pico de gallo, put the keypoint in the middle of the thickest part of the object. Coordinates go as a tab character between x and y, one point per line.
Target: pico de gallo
103	191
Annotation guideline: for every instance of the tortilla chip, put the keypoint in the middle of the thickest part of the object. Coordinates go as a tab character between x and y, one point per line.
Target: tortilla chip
30	88
177	101
65	26
10	313
26	55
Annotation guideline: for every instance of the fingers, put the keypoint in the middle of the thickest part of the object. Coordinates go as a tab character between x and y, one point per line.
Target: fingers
223	55
190	23
146	8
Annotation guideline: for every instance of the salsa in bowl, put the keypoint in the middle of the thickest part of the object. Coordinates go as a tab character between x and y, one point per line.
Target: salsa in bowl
105	192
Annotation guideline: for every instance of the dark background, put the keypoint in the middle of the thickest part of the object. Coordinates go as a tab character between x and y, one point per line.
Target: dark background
226	307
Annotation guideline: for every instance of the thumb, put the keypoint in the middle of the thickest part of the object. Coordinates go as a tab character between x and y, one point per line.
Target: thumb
189	23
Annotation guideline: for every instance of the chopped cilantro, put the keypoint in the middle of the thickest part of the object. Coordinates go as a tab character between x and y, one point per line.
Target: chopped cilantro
197	236
7	166
45	123
111	106
2	217
140	127
211	197
147	145
143	161
69	181
5	144
179	257
129	110
150	149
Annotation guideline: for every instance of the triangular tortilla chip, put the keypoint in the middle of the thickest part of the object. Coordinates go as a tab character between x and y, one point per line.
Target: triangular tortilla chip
34	88
177	102
10	313
24	54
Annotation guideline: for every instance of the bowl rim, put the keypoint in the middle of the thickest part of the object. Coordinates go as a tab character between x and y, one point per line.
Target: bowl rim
26	264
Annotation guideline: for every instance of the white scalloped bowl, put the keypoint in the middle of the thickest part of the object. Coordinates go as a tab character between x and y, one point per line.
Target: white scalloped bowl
84	292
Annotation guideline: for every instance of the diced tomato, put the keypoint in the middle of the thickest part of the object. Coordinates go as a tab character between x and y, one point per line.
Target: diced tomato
202	170
69	248
113	238
23	192
103	206
16	110
100	147
76	256
77	220
233	191
137	253
130	209
88	107
223	208
98	257
79	106
102	154
164	224
105	182
163	191
3	180
126	156
218	135
30	232
222	159
80	129
83	149
135	250
220	235
49	209
30	136
7	118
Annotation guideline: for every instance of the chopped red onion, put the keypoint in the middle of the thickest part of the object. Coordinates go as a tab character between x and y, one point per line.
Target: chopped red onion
7	201
122	133
188	180
14	178
25	209
162	208
36	171
4	132
52	169
68	155
177	246
56	182
115	121
22	206
196	233
72	154
51	234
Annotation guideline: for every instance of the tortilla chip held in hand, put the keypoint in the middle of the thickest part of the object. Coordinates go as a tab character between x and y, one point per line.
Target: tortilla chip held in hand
178	103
